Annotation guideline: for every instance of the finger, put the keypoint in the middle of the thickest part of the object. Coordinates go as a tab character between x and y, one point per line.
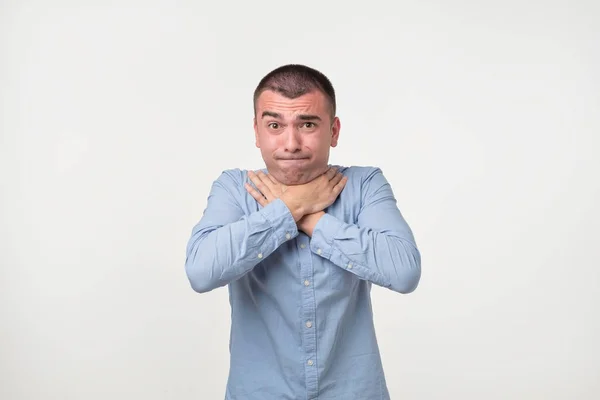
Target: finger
256	194
331	173
337	178
340	185
266	180
273	180
258	182
252	190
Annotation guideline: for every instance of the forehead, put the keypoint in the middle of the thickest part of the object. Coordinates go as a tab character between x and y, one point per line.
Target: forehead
313	102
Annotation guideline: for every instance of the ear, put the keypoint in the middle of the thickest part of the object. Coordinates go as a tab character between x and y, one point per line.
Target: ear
335	131
256	143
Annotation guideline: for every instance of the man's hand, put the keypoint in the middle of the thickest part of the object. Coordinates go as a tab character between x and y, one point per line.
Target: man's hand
268	187
309	198
316	195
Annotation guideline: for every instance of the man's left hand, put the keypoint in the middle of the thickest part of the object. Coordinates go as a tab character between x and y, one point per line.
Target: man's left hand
268	187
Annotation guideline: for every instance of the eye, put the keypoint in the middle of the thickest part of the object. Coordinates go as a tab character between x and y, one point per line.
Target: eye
273	125
309	125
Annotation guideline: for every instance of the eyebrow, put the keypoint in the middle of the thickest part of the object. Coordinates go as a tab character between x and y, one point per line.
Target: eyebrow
305	117
271	114
302	117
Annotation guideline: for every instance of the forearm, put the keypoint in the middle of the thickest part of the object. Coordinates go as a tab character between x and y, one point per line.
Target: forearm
387	258
308	222
217	255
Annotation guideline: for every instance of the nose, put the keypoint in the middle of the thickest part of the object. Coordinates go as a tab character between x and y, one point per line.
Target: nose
292	142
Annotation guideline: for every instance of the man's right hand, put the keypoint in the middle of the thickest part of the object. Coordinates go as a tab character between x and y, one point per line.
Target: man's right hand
316	195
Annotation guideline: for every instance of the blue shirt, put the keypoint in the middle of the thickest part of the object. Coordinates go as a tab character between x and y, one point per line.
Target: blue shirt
301	317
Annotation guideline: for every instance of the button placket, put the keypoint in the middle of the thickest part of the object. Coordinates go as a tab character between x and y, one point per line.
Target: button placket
308	333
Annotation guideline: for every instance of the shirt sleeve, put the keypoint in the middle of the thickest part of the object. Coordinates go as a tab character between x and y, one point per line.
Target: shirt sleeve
380	247
226	243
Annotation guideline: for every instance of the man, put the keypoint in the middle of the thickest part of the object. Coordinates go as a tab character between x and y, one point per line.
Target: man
299	245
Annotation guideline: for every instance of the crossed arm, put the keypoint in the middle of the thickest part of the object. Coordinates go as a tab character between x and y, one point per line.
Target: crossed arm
226	244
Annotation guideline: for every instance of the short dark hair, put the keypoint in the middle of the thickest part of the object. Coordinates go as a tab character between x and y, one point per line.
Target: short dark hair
294	80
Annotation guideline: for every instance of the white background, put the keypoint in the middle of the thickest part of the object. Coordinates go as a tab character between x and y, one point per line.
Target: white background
115	118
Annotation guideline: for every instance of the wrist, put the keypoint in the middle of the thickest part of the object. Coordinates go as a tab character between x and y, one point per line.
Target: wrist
308	223
296	209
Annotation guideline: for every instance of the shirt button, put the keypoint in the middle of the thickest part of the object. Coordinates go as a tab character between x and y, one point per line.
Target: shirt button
319	251
310	362
302	246
349	265
306	283
308	324
259	255
288	236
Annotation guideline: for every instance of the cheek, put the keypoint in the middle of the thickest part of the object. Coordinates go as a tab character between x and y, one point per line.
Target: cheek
318	144
269	143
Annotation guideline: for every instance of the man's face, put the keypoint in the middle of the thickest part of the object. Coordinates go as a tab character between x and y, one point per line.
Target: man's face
294	135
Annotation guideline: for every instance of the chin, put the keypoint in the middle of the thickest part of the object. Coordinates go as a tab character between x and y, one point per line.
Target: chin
298	176
295	174
291	181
